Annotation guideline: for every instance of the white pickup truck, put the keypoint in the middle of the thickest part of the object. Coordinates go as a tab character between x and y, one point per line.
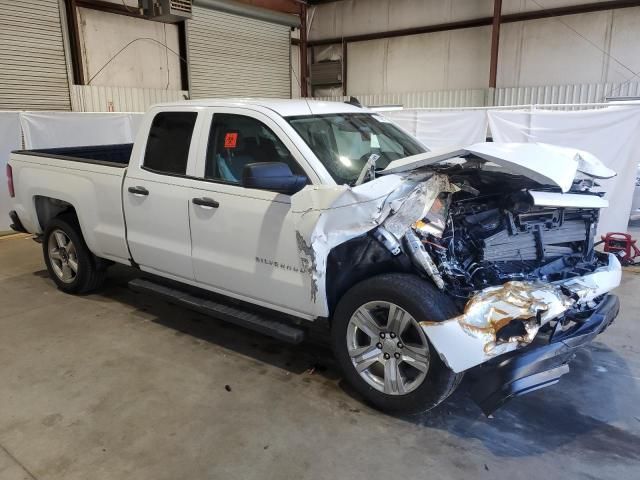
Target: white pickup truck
274	214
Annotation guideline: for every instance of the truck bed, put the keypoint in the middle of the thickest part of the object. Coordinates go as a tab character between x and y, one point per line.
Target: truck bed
116	155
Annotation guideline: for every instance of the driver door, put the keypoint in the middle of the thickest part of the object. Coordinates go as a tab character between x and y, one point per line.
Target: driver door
243	239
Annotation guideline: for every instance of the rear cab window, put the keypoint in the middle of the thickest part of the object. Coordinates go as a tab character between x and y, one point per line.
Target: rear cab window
168	144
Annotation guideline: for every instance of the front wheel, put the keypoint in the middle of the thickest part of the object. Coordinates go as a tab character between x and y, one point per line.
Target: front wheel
381	348
69	261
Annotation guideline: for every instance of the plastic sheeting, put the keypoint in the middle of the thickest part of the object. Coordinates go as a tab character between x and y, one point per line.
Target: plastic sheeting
612	134
59	129
136	121
75	129
439	129
10	139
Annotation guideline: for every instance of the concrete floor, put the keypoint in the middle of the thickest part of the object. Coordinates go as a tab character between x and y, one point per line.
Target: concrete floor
118	385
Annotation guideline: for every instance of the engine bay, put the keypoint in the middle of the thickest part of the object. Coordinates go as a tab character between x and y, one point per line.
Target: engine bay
478	237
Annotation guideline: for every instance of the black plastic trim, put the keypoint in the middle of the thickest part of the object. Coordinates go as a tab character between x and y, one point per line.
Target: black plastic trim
262	323
17	224
51	153
538	366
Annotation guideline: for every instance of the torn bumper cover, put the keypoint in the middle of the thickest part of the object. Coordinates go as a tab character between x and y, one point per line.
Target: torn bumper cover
540	364
473	337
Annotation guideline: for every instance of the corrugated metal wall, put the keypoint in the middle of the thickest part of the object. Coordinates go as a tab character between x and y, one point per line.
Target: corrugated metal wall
558	94
433	99
563	94
232	56
87	98
34	70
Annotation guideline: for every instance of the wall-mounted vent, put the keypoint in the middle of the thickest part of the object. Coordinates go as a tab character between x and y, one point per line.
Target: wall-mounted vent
326	73
167	11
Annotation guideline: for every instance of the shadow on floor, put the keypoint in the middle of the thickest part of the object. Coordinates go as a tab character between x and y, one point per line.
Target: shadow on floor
310	357
581	415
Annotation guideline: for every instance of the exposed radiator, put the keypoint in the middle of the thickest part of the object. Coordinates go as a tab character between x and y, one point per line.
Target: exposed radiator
539	243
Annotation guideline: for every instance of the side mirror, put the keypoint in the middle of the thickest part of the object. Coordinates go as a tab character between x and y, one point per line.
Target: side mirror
274	176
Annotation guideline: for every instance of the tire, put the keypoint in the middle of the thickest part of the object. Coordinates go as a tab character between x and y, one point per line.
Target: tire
425	381
72	267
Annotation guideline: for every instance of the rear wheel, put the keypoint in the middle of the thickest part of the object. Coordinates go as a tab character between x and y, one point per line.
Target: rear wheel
71	265
384	353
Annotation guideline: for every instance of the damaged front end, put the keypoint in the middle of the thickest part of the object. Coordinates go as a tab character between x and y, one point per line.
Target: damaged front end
511	245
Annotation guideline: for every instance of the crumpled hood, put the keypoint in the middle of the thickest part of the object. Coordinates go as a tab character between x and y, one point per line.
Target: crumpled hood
541	162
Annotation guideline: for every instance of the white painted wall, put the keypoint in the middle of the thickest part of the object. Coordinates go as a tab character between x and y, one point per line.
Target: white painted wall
548	52
437	61
533	53
517	6
354	17
144	64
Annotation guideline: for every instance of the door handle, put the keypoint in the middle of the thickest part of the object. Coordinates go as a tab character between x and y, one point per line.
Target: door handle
138	190
205	202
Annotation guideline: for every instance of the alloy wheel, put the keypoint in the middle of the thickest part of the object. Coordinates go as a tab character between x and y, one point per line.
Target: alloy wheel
388	348
63	256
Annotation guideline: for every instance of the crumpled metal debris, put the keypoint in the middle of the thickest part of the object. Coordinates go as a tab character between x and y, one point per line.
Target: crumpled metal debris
404	212
421	258
495	307
308	262
327	216
472	338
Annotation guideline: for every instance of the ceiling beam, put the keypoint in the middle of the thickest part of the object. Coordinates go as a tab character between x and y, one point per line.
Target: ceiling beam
118	8
236	7
286	6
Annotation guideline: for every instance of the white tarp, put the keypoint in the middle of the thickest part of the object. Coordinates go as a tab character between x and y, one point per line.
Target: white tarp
74	129
611	134
59	129
440	129
9	140
136	121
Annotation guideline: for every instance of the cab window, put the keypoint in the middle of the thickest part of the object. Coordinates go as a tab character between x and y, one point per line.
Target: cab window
169	140
236	141
344	142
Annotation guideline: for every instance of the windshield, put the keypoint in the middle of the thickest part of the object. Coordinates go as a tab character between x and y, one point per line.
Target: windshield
344	142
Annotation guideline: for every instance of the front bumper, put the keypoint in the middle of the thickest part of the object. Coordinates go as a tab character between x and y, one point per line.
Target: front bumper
469	340
540	364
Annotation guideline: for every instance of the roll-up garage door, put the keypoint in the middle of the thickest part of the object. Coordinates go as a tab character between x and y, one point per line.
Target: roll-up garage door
234	56
33	69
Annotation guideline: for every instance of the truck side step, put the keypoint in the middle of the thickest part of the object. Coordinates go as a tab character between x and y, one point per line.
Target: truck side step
228	313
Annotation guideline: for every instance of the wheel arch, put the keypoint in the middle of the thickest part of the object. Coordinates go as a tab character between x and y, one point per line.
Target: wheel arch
356	260
48	208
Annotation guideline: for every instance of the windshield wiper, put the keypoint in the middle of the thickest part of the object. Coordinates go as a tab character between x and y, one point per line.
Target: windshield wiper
369	167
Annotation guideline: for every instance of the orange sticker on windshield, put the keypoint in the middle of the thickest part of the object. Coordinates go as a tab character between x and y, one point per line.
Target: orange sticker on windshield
230	140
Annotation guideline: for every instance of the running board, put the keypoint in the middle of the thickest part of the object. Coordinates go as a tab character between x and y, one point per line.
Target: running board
232	314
